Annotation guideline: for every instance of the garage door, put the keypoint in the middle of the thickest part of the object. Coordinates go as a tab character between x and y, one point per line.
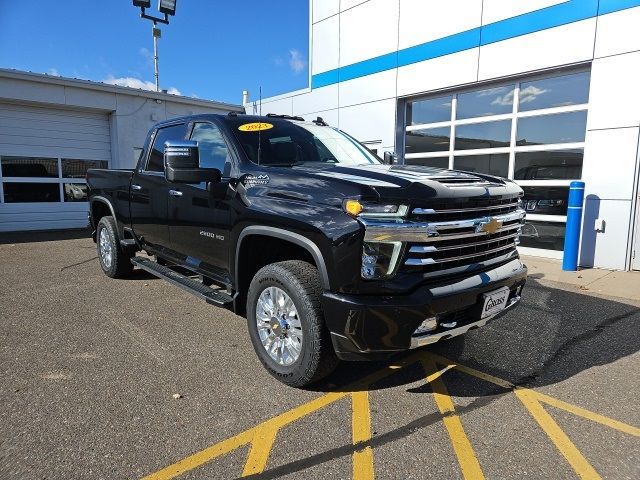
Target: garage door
44	155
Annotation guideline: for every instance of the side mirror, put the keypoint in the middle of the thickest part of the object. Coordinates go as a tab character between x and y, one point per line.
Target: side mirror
389	158
182	164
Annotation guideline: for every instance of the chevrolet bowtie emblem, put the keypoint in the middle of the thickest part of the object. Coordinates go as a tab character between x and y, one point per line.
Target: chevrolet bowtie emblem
490	225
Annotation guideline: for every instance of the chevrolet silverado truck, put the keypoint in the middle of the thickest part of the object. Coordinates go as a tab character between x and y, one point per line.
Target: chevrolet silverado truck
328	251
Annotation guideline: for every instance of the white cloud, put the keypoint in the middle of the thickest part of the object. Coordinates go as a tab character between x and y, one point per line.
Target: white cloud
530	93
53	71
137	83
296	61
504	100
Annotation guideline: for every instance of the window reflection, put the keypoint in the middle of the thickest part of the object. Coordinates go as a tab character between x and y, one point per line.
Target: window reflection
428	140
560	128
550	165
31	192
432	110
74	168
572	89
75	192
437	162
496	164
483	135
481	103
544	200
29	167
547	235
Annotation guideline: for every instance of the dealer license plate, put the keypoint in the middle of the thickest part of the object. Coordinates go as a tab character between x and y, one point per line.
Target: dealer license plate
494	302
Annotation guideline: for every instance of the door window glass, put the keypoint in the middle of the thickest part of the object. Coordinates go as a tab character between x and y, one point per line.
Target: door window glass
164	134
483	103
496	164
548	129
432	110
549	165
559	91
428	140
483	135
29	167
213	149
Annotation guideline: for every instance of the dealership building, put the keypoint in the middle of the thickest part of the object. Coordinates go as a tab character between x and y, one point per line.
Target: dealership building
53	129
540	91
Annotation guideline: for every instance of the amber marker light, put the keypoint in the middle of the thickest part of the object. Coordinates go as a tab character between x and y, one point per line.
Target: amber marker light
353	207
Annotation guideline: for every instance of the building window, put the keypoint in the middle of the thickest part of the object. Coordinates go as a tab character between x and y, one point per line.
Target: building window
531	131
44	180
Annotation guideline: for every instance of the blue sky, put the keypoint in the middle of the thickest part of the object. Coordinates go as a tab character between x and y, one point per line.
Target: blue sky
212	49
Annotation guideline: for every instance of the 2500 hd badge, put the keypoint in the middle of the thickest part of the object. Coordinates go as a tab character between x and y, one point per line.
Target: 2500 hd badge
337	256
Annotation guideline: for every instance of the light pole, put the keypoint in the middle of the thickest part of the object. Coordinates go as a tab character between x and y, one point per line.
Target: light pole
167	7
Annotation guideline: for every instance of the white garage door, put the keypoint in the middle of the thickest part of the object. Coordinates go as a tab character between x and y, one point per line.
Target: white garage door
44	155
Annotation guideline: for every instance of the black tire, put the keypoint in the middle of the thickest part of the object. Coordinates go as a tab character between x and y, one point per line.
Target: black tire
120	265
300	281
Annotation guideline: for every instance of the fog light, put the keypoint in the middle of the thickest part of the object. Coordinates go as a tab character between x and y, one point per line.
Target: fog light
428	325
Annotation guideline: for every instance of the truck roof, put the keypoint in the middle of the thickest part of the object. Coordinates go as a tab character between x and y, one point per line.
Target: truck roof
248	118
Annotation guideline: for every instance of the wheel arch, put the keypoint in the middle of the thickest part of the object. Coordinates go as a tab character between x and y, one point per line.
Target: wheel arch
278	233
97	210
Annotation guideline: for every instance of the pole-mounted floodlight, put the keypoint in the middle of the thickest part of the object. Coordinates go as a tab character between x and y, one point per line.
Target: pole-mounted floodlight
167	7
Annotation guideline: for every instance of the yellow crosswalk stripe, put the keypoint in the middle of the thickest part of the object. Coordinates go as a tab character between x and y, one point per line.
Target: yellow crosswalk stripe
361	427
467	458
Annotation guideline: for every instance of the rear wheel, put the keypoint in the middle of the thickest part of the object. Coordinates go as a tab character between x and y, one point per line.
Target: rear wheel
114	260
286	324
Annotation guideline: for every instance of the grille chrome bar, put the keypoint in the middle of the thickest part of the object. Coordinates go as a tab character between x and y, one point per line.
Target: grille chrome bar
433	249
380	231
431	211
431	261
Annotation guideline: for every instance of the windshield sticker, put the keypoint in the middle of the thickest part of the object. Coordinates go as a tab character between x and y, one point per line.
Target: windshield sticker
255	127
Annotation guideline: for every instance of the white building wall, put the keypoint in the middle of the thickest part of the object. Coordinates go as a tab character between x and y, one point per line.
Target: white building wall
346	32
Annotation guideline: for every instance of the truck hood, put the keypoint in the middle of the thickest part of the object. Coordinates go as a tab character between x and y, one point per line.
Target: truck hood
400	176
412	181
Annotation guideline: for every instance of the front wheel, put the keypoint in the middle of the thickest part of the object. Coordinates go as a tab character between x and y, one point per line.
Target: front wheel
286	324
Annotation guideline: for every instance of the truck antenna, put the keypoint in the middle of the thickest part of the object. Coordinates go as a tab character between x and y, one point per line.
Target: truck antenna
260	129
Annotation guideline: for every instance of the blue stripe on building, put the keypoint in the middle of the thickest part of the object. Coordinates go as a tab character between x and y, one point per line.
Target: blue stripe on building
538	20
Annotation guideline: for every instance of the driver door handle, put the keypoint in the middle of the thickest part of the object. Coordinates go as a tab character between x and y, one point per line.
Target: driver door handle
175	193
135	187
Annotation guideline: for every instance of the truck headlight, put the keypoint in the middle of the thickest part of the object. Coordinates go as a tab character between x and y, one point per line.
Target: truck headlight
374	210
379	259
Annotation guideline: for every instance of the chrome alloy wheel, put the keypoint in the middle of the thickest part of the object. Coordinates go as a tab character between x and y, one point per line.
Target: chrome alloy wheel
279	325
105	248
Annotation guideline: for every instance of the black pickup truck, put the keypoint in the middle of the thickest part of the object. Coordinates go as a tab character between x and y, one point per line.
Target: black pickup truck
330	252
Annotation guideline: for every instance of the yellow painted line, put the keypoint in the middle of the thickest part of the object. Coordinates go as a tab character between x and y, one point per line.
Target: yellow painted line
562	442
203	456
462	447
260	449
595	417
361	432
473	372
225	446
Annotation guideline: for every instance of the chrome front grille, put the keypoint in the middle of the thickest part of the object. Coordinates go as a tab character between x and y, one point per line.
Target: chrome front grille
464	242
438	240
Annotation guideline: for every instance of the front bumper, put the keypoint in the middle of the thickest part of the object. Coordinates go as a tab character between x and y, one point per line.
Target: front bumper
372	327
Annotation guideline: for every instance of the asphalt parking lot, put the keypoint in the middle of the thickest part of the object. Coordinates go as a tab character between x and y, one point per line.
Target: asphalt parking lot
90	366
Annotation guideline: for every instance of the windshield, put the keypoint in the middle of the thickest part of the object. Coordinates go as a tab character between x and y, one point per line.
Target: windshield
284	144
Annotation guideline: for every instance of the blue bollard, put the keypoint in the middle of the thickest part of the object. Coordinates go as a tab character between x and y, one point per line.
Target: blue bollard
574	221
